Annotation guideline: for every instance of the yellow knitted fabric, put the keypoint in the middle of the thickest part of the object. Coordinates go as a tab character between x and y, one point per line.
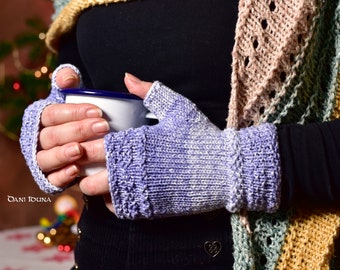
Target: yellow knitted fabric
68	18
309	241
271	44
336	112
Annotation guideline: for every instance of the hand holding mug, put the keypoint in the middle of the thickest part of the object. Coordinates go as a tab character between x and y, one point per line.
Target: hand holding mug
65	137
64	126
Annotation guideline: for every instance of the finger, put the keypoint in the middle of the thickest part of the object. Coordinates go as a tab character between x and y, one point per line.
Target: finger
162	101
67	78
78	131
65	176
57	114
58	157
136	86
143	90
93	152
96	184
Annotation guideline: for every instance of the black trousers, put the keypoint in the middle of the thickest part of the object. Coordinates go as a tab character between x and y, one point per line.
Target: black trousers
192	242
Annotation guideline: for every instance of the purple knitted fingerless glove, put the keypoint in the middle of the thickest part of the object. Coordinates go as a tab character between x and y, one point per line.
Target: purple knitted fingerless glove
186	165
30	130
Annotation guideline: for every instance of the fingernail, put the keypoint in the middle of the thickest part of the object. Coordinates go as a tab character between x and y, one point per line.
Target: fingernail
100	127
69	78
72	170
132	77
94	112
73	151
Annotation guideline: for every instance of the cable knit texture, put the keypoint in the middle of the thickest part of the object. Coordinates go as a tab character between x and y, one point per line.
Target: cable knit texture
30	129
185	164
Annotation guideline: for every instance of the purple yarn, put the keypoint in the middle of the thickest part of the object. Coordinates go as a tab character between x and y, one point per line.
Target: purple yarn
186	165
30	130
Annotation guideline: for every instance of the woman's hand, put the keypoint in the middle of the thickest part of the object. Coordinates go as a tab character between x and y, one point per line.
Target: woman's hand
64	134
66	129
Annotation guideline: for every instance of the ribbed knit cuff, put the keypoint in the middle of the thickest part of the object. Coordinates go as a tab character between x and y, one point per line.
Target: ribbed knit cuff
125	162
261	168
29	144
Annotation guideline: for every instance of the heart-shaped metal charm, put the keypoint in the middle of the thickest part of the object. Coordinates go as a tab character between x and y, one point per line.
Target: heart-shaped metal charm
212	248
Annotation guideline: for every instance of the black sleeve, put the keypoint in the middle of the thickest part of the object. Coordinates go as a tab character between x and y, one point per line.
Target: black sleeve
68	53
310	162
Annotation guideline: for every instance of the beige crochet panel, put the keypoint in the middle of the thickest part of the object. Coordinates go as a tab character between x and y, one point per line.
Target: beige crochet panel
270	34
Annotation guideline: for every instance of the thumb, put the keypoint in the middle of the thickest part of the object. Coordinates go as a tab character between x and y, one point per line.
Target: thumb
66	76
136	86
162	101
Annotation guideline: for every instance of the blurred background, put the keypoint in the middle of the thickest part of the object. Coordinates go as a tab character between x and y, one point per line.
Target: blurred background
25	69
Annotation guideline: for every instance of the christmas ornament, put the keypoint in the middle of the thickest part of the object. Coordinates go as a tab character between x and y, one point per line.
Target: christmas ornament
63	232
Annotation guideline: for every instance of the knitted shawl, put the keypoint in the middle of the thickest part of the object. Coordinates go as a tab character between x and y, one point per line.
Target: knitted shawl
285	70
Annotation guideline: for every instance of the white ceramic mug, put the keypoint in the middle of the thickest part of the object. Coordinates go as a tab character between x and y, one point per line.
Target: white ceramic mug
121	110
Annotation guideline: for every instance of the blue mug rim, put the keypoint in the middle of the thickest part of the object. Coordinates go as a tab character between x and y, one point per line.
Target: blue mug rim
99	93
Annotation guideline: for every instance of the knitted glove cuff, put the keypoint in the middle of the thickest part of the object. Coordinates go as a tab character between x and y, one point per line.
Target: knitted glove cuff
29	144
30	131
261	171
250	174
125	162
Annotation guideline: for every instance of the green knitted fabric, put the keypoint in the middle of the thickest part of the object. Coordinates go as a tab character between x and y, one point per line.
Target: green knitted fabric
58	6
268	232
310	91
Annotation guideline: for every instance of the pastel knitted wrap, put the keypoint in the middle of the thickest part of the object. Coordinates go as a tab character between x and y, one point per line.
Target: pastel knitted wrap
285	69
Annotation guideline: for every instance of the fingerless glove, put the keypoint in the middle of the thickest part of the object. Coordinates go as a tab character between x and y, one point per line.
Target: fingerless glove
30	131
186	165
